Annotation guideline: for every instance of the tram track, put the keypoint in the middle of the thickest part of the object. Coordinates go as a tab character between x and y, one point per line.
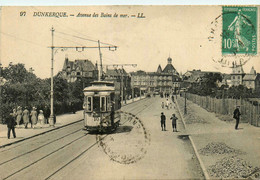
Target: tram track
130	109
82	153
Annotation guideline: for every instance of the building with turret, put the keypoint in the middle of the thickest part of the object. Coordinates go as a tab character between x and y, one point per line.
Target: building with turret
164	81
237	75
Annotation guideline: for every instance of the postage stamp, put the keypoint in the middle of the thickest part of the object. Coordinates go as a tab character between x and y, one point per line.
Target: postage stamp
239	29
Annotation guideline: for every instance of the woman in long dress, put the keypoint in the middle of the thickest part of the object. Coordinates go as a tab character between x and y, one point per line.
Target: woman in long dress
34	117
19	116
41	118
26	117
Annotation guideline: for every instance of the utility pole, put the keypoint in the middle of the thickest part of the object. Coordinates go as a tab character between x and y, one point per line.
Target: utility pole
53	48
1	84
51	120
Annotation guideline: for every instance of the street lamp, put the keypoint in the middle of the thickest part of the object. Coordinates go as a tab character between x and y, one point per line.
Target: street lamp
185	103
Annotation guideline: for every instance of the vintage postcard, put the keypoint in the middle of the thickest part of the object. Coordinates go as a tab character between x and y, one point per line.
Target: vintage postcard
130	92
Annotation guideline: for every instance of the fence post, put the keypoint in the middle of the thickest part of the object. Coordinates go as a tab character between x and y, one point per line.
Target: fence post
258	116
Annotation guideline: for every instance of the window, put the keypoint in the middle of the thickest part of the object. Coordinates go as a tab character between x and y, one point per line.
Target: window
88	103
108	103
234	77
103	104
78	73
238	77
96	104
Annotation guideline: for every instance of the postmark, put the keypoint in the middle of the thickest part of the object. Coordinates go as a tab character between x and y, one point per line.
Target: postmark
239	30
233	34
129	143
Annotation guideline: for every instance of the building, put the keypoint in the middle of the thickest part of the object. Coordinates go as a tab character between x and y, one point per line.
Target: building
237	75
121	79
79	69
252	80
194	77
165	81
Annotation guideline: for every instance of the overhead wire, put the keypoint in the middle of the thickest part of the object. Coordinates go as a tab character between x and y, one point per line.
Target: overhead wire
68	27
21	39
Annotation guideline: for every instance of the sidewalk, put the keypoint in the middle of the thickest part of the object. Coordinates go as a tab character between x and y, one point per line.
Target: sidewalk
224	151
61	121
22	134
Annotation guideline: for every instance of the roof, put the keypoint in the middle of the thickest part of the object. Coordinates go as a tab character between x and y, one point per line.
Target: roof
100	86
159	69
83	65
115	72
195	75
169	69
249	77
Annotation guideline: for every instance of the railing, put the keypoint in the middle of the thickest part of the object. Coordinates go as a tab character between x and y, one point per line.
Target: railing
250	112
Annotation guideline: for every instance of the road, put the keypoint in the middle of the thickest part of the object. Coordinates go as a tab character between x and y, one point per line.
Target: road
137	150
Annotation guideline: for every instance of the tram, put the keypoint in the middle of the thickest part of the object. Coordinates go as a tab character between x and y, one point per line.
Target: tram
101	104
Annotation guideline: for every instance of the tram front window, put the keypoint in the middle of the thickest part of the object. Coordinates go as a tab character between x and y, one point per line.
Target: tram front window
89	104
96	104
103	104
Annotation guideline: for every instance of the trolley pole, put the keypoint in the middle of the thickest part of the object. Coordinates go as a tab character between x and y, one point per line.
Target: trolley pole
51	120
122	86
100	72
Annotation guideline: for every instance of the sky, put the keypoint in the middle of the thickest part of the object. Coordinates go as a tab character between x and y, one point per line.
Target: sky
180	32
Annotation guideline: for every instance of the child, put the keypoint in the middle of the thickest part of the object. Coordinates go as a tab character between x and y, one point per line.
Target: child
174	119
162	104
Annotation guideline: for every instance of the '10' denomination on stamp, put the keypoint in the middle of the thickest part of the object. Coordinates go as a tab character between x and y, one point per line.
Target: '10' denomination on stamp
239	30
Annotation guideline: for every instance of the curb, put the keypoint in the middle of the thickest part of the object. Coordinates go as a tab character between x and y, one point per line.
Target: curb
134	101
205	173
55	128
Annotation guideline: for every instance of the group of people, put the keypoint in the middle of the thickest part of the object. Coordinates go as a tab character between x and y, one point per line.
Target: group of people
19	115
167	104
173	119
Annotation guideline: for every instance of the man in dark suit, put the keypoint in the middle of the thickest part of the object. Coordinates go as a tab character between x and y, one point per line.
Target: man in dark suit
237	116
11	124
163	119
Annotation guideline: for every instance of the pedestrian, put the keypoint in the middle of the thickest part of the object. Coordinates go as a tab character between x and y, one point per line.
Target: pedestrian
19	116
33	117
167	104
11	124
236	116
162	104
41	118
46	113
25	117
174	124
172	98
163	119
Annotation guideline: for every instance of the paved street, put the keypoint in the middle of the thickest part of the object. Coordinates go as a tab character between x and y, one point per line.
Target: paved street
137	150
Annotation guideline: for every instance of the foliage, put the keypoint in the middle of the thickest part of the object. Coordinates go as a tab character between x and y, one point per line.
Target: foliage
24	89
208	87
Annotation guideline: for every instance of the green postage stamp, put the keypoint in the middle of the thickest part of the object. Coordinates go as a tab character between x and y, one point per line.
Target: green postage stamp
239	31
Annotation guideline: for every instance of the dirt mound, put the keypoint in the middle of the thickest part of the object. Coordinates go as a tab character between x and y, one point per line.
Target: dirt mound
234	167
218	148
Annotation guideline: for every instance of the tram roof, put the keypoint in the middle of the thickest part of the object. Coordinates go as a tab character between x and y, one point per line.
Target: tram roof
108	83
100	86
